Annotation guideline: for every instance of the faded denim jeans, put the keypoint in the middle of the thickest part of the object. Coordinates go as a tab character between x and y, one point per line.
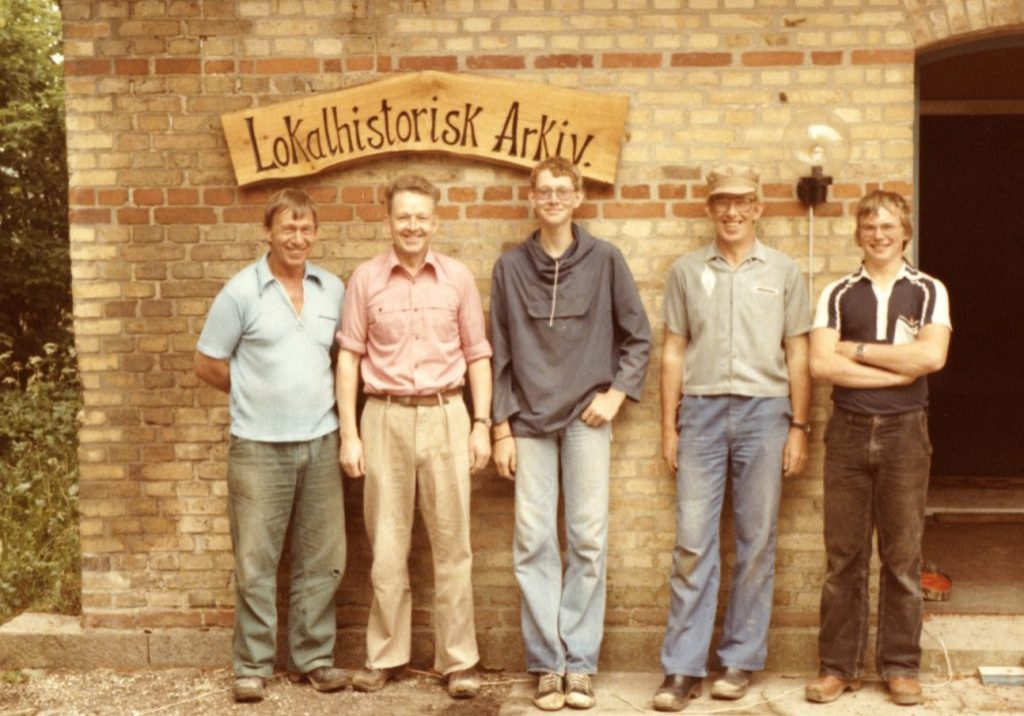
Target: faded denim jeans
562	615
723	436
876	477
268	483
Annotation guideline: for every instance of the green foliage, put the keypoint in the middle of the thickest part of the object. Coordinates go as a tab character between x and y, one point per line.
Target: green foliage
39	565
35	275
13	677
39	388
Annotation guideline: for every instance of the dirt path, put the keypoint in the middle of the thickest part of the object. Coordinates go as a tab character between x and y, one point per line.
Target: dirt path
195	692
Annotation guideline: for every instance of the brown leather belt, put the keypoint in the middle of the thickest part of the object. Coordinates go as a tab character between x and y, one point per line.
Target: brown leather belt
416	401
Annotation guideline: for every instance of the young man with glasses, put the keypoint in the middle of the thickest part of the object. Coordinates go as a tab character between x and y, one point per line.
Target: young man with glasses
877	333
571	342
735	396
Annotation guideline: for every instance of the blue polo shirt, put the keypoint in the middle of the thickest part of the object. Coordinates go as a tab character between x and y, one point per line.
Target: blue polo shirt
866	312
282	381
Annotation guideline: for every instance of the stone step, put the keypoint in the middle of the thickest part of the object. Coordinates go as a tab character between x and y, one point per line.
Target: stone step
48	641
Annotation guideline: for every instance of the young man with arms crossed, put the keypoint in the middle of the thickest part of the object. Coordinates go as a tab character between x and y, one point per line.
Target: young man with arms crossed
413	327
736	323
571	343
877	333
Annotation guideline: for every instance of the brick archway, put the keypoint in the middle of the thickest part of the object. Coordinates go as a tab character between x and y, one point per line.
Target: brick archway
941	22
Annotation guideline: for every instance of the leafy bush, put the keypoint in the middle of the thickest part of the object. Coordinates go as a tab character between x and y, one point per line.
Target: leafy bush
39	562
39	387
35	268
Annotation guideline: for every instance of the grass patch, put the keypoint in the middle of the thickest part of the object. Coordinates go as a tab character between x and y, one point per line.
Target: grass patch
40	555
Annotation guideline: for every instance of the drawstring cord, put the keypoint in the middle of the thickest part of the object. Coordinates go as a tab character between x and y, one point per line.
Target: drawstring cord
554	295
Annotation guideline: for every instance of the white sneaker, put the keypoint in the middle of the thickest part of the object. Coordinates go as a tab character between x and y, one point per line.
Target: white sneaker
549	696
578	692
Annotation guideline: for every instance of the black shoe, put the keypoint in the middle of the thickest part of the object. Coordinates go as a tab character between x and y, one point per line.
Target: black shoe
676	691
731	684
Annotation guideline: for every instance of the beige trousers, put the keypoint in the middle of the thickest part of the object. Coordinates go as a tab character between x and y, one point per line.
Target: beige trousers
426	450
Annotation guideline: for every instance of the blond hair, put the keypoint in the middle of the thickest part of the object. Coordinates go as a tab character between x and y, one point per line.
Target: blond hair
891	202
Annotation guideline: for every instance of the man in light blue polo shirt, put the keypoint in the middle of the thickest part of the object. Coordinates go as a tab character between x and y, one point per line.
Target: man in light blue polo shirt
269	343
736	323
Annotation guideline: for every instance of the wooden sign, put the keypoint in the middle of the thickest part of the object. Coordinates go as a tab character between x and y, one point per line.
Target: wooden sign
487	118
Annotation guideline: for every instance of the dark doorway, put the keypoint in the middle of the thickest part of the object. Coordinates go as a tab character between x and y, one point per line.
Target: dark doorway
971	236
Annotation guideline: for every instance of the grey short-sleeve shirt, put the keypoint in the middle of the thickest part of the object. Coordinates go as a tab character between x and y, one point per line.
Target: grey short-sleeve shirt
735	320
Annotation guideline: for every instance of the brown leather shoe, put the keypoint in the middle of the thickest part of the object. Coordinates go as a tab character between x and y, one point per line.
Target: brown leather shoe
828	688
248	689
463	684
324	678
374	679
904	690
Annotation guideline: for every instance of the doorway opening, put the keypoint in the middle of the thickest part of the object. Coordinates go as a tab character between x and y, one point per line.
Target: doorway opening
970	137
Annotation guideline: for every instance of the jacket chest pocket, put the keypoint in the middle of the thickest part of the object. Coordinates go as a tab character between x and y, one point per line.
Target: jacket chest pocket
565	315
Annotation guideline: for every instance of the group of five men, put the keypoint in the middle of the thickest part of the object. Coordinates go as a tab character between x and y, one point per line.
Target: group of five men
569	343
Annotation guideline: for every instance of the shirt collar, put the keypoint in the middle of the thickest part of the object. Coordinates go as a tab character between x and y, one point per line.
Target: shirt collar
905	271
264	277
429	260
757	251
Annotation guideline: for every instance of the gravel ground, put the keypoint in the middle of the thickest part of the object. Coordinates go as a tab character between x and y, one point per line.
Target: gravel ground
198	692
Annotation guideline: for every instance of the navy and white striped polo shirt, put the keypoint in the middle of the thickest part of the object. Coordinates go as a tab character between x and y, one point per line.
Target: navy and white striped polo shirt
866	312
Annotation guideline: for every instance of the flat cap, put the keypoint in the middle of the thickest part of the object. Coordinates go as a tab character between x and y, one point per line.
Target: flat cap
733	179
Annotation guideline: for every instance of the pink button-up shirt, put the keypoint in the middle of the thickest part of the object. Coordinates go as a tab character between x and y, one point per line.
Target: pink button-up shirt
416	334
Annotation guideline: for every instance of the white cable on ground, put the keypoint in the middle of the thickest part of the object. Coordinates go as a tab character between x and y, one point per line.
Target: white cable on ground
945	653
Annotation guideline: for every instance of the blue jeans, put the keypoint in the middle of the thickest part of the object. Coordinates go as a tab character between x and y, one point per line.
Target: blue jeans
268	483
876	477
563	618
721	436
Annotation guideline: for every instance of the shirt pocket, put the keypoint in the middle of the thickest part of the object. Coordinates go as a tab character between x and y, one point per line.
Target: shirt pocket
326	328
441	315
387	325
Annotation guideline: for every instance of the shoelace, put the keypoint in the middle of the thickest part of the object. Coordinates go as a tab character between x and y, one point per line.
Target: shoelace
579	682
549	682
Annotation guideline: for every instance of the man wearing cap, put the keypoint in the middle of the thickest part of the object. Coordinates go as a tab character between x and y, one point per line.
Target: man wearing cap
413	327
877	333
736	320
268	342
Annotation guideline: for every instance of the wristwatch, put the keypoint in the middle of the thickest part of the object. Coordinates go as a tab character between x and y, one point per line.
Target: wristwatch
859	352
485	421
806	427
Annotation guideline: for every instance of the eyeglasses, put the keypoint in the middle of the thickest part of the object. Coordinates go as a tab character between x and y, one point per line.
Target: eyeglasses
870	229
564	194
742	204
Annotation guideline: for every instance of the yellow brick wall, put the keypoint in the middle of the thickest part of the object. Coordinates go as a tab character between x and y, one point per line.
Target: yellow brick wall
158	225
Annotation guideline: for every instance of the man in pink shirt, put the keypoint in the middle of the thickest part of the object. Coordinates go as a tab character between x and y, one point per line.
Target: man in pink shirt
413	329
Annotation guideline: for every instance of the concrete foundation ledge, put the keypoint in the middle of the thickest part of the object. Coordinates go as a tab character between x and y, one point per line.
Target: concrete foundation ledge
48	641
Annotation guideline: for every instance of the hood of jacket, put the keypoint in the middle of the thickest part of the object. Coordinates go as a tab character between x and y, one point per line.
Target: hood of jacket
582	244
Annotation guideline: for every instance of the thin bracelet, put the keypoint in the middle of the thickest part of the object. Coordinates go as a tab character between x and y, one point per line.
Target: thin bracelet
502	438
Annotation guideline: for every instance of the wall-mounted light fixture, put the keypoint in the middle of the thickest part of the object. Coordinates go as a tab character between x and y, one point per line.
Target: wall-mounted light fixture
817	146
